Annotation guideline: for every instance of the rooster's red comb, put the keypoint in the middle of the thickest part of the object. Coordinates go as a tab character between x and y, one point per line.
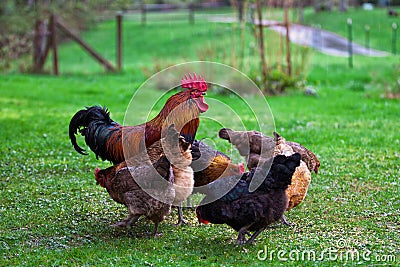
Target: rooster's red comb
194	82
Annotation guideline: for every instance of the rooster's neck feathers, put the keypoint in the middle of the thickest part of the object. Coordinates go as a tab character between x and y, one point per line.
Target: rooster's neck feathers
179	110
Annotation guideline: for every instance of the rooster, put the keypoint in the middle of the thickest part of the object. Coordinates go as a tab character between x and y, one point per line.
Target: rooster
248	211
135	182
249	145
108	139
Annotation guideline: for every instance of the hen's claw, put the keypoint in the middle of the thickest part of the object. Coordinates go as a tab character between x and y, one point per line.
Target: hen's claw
284	221
121	224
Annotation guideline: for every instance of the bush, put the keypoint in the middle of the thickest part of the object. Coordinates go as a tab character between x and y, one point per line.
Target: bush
277	81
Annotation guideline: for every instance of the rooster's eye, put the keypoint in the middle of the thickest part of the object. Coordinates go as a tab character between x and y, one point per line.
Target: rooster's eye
195	92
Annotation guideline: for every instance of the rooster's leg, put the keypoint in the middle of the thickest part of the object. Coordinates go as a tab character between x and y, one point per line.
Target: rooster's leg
181	220
284	221
241	239
253	237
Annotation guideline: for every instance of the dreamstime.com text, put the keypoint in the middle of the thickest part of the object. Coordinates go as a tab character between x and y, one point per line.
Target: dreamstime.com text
329	254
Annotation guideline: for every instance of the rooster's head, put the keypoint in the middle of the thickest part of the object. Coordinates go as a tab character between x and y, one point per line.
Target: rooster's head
197	87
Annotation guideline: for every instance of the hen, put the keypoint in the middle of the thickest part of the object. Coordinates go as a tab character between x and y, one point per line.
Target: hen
108	139
250	212
136	182
210	165
249	145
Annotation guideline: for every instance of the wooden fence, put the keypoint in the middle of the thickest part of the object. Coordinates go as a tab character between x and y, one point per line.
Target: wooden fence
45	39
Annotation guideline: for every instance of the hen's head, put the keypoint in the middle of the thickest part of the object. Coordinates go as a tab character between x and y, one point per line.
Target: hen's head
99	177
197	87
199	217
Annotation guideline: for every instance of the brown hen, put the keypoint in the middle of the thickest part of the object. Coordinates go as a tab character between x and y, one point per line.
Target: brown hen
136	182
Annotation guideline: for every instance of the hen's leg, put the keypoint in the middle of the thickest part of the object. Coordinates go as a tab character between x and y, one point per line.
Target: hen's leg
241	239
133	219
127	222
253	237
156	233
181	220
284	221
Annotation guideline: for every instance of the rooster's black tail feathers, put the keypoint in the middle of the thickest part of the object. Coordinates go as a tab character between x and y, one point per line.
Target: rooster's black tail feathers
94	123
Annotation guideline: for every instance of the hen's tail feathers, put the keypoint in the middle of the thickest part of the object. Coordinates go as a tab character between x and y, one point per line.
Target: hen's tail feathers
225	133
96	125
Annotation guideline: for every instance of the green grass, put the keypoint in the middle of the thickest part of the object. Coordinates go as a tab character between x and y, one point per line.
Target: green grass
53	213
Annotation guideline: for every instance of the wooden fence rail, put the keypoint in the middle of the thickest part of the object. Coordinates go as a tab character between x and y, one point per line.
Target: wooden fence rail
46	37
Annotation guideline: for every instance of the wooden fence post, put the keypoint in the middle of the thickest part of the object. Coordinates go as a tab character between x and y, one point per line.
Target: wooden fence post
261	41
143	12
367	29
350	41
119	40
53	26
287	26
394	37
41	45
191	13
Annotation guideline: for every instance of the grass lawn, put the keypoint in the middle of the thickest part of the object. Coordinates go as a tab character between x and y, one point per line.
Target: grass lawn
53	213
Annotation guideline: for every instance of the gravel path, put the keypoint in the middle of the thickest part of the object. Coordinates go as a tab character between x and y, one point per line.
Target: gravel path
327	42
